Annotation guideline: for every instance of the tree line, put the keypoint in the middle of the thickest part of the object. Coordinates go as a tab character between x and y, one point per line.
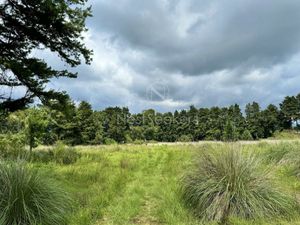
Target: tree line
80	124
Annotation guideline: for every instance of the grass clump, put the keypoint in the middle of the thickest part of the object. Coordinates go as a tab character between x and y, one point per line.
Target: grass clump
28	198
63	154
59	154
226	182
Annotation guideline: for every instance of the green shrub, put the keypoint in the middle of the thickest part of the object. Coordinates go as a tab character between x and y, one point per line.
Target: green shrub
12	146
128	139
226	183
109	141
185	138
63	154
29	198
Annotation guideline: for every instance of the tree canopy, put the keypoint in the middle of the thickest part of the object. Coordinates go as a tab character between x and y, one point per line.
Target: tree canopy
32	25
80	124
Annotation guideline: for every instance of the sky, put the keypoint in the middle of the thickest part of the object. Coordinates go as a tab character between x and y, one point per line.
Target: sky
170	54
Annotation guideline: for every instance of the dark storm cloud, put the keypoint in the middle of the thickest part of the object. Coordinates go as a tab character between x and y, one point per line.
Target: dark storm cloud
204	53
220	35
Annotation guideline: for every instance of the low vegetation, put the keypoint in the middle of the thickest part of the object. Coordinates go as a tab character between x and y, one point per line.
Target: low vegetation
188	184
28	197
227	182
176	184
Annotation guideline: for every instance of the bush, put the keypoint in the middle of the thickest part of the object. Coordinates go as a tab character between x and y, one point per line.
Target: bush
226	183
109	141
28	198
12	146
185	138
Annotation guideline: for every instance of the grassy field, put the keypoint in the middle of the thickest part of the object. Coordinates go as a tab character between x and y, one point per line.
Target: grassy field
139	184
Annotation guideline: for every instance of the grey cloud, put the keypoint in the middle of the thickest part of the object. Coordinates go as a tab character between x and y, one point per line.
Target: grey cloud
251	33
207	53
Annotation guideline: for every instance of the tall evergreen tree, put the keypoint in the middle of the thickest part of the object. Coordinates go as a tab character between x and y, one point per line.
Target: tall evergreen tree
290	108
31	25
85	122
270	120
253	119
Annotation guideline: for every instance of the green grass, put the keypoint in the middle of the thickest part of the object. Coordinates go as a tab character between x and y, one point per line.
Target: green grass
226	182
140	184
286	135
28	197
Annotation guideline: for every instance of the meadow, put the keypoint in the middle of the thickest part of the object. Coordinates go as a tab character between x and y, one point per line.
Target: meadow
140	184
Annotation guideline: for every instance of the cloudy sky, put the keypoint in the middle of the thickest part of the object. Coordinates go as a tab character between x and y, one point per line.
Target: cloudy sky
169	54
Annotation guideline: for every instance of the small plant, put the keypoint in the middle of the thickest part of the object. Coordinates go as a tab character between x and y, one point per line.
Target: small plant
28	198
226	183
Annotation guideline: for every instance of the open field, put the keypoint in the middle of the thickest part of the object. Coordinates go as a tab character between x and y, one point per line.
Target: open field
139	184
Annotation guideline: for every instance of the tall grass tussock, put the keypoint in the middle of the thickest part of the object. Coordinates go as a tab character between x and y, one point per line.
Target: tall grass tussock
29	198
226	182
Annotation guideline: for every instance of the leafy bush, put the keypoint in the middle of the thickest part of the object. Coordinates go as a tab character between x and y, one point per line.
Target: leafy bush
28	198
226	183
109	141
185	138
128	139
12	146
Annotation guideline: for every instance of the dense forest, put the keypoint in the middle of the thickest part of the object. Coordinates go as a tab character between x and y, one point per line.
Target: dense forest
80	124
